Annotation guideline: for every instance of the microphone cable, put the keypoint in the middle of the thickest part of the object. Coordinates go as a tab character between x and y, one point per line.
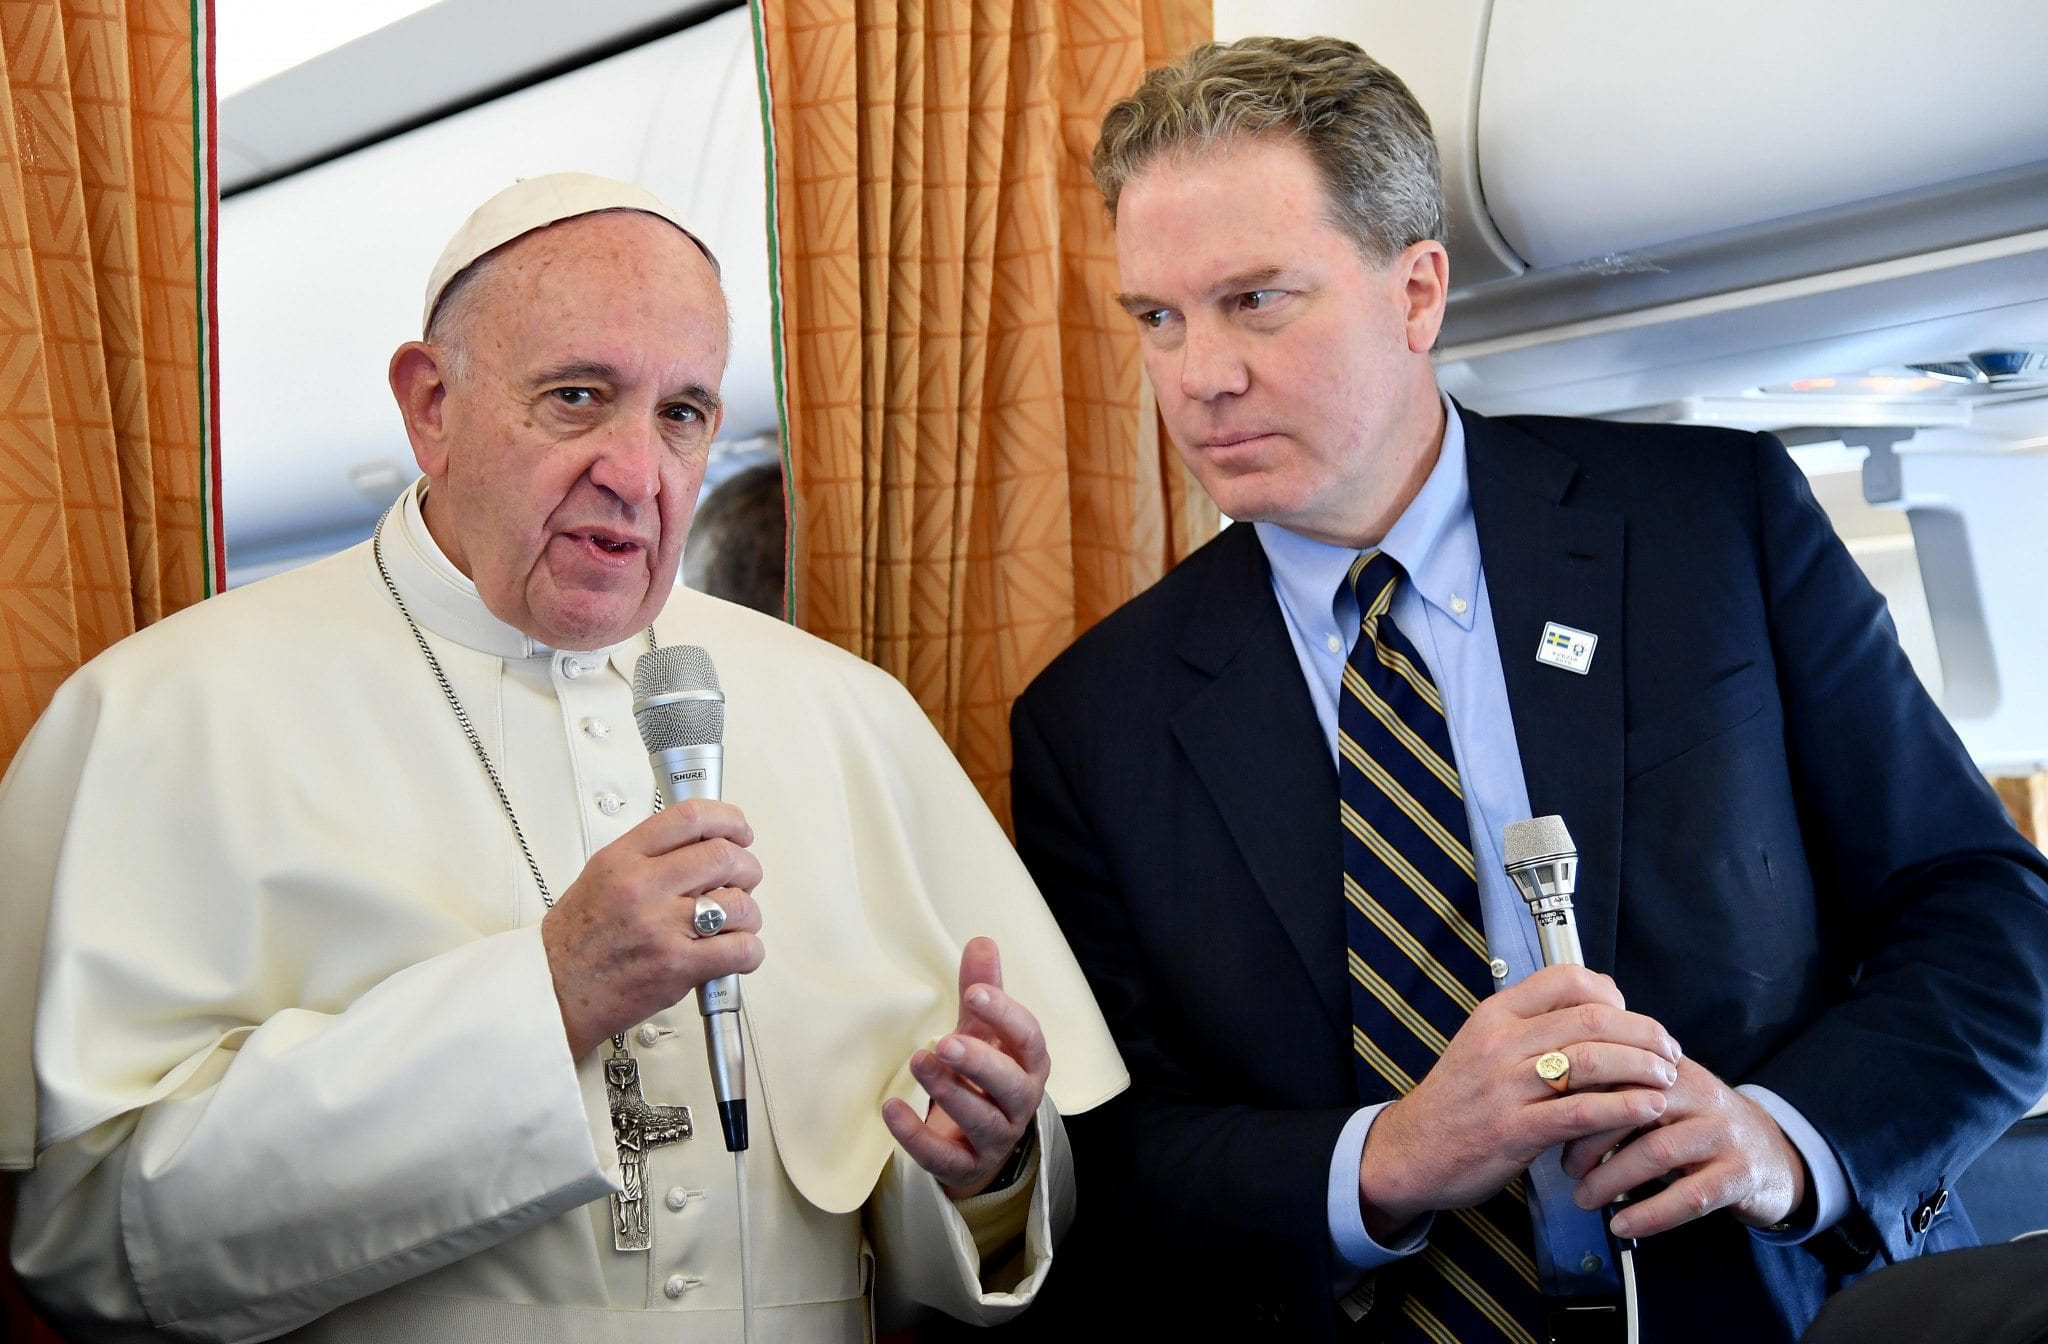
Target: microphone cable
739	1168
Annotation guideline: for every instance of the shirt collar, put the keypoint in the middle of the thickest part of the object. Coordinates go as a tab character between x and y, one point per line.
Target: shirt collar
444	600
1435	539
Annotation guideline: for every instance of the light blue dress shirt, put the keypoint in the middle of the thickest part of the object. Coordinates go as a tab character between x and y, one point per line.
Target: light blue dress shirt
1443	610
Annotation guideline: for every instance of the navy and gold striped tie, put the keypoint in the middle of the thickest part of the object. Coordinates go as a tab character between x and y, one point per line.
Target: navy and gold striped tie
1418	960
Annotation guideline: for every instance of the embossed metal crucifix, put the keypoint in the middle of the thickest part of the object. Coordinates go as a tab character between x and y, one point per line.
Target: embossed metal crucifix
637	1126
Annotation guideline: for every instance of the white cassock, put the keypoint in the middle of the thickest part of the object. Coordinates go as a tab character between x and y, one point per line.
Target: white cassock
298	1059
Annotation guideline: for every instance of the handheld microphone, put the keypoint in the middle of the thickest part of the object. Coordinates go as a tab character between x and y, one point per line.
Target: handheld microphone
681	715
1544	865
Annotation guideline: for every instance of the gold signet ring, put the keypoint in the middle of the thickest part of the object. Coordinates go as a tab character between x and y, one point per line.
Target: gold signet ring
710	918
1555	1069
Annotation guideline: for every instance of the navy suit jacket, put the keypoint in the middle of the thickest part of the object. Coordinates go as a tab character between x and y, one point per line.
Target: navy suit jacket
1786	858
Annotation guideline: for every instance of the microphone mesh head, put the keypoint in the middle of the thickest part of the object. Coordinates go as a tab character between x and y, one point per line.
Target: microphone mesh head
1536	840
679	669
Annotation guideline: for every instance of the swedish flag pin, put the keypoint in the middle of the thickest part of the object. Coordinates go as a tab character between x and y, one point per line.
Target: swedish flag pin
1562	646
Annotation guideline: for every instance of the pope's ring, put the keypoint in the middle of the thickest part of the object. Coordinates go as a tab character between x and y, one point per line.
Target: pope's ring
1555	1068
710	918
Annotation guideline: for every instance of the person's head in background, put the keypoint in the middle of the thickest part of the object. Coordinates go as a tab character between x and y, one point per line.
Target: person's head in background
1279	216
738	543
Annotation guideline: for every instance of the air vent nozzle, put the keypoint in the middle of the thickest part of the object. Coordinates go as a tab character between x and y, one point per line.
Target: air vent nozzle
2002	365
1989	368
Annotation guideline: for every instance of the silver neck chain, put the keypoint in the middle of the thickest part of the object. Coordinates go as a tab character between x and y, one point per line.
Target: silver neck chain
476	743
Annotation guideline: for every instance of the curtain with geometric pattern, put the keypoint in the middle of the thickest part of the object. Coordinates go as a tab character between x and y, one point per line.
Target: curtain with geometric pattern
975	472
106	477
107	484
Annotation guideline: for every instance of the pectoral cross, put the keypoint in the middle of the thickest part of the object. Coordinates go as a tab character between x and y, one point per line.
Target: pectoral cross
637	1126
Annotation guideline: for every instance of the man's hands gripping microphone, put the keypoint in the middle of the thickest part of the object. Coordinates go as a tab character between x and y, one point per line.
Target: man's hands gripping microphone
1482	1115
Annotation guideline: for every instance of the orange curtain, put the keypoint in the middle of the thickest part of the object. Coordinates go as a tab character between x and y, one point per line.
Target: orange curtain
975	473
2026	797
107	489
106	484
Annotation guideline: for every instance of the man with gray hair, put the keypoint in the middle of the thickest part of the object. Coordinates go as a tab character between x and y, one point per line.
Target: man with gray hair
361	996
1266	800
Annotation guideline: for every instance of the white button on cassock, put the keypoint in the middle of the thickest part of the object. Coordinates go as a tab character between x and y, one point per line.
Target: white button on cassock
676	1286
571	668
648	1034
677	1198
597	730
610	803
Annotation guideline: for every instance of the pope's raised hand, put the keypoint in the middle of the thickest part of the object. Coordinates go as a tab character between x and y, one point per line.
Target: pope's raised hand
985	1080
621	943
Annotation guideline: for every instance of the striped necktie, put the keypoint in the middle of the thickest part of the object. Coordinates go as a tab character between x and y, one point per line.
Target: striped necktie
1418	960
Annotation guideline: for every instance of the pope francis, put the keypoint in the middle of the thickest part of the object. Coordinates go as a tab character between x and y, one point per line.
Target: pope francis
351	958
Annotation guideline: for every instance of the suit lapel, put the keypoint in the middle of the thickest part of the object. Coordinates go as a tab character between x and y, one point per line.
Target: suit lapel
1252	738
1548	561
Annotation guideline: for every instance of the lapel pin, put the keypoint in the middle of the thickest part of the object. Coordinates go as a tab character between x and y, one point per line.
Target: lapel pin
1562	646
